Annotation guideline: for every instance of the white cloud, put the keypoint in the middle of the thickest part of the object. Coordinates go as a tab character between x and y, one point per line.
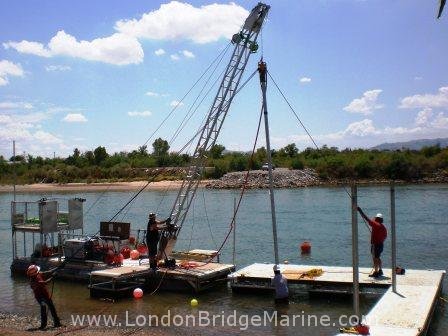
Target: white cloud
159	52
15	105
152	94
418	78
305	80
423	116
365	134
177	20
139	114
27	119
188	54
440	121
361	128
28	47
118	49
8	69
366	104
175	57
24	128
172	21
440	99
175	103
74	118
58	68
46	138
5	119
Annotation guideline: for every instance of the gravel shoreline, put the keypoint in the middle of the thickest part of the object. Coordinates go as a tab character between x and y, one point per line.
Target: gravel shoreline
17	324
288	178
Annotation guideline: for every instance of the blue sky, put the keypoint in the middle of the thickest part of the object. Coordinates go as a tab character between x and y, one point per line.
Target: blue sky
107	72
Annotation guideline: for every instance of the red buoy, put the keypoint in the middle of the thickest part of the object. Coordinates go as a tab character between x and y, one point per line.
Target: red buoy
126	252
142	248
109	257
118	259
138	293
305	247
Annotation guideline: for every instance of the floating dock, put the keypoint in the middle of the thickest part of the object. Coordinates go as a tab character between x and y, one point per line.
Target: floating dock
407	312
258	276
404	313
187	276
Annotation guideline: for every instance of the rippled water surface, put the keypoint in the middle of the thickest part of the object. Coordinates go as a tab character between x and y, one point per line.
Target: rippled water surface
321	215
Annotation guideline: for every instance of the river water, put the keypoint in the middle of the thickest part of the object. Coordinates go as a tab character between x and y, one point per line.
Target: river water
320	215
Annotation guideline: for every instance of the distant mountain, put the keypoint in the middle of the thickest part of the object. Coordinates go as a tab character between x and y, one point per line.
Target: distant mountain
414	144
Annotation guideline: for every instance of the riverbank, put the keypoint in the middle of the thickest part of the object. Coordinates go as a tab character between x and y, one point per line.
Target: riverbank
18	325
257	179
86	187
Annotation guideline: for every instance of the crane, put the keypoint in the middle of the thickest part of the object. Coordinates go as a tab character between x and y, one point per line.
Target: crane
245	44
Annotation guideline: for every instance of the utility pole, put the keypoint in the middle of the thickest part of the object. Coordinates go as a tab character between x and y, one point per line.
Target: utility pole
393	236
14	167
262	69
355	258
234	233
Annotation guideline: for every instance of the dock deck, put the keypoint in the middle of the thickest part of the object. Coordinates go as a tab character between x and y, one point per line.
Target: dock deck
409	311
405	313
195	276
261	274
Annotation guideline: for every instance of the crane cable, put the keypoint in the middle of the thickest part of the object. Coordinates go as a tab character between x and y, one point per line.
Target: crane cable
185	120
187	93
220	55
243	190
308	133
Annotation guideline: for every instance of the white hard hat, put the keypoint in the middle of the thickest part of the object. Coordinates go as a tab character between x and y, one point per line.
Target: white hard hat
276	268
379	215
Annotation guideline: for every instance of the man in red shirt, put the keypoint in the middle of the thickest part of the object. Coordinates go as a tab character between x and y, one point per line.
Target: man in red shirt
38	285
379	234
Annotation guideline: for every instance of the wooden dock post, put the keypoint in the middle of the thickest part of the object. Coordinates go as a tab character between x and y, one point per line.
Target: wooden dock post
393	236
354	198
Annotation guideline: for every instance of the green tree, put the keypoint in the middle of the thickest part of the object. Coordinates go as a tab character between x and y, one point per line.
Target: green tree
160	147
291	150
297	163
143	150
100	155
216	151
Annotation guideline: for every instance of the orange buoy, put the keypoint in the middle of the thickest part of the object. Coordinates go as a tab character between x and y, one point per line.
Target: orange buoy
135	254
305	247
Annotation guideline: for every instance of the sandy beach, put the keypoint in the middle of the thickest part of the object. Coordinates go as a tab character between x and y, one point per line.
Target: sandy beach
86	187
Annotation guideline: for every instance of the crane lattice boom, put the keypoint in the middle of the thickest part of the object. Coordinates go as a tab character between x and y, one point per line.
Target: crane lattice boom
245	44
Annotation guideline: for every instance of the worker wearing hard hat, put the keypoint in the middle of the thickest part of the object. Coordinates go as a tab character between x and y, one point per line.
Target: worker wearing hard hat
378	236
280	285
152	238
38	285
